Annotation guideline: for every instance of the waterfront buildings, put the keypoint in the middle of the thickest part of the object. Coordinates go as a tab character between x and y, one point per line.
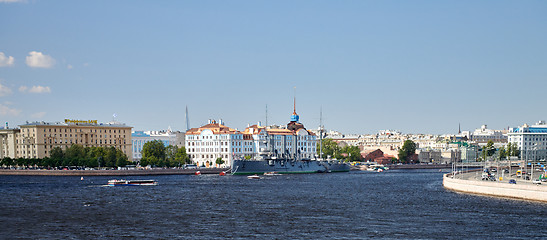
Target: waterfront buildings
436	148
139	138
215	140
37	139
530	140
482	135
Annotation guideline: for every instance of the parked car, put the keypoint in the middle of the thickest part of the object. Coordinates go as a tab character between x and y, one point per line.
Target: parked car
536	181
190	166
512	181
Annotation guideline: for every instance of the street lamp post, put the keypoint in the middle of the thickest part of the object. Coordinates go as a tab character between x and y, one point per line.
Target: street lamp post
533	161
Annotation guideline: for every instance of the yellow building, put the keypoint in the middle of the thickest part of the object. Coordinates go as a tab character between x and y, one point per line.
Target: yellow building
37	139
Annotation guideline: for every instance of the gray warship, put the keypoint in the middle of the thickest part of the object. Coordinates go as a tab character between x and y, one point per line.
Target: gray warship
268	159
265	163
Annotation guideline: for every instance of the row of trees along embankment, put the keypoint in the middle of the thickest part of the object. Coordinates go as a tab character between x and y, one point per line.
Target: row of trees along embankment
154	153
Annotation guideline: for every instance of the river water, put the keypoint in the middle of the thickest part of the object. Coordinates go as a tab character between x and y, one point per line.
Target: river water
402	204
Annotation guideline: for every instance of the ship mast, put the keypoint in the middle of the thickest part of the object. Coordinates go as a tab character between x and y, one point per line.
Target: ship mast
294	100
187	121
321	133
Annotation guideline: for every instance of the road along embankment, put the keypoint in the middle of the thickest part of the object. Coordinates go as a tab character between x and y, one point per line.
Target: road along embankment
499	189
418	166
135	172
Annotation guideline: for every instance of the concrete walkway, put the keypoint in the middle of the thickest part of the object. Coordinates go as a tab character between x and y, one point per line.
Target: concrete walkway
470	182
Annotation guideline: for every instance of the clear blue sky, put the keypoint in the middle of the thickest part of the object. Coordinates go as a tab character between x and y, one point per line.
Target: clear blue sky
414	66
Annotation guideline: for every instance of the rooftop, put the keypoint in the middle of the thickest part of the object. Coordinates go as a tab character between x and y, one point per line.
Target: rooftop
66	124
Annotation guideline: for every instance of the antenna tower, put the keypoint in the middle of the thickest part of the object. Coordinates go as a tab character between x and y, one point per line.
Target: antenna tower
294	101
187	121
321	132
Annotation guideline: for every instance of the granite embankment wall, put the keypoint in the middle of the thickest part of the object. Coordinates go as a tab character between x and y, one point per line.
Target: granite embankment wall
499	189
142	172
418	166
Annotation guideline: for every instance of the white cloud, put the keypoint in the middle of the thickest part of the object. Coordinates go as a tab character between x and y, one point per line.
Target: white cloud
39	60
12	1
69	66
38	115
6	61
4	91
39	89
34	89
7	111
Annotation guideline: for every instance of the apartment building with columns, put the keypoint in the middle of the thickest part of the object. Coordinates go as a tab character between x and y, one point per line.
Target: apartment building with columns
37	139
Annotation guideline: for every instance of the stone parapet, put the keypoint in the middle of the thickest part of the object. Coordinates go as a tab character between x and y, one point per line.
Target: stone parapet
499	189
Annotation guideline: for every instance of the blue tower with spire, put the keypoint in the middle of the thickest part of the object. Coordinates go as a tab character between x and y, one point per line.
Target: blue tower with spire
294	116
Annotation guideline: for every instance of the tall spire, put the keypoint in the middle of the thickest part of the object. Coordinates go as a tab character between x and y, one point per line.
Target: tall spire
294	100
187	121
459	128
294	116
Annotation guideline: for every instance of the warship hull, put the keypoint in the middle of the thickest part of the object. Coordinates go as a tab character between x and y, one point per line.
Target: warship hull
250	167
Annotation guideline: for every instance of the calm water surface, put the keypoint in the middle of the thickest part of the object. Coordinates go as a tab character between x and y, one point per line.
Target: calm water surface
395	204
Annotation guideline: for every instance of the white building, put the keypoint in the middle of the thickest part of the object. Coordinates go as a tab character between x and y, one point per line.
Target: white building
483	135
530	140
215	140
212	141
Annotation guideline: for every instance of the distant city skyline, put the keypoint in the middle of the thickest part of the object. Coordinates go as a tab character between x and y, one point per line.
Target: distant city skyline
412	66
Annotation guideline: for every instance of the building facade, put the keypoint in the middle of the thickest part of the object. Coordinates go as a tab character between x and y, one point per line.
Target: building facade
139	138
530	140
483	135
212	141
37	139
215	140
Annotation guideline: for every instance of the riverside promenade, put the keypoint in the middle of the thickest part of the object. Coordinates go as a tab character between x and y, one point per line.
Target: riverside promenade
470	182
133	172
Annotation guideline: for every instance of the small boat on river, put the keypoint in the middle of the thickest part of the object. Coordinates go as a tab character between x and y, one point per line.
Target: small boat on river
122	182
253	177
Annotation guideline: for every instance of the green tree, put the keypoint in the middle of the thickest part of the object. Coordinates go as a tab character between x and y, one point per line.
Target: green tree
181	157
170	154
110	157
512	150
407	150
483	154
95	156
7	161
121	158
353	153
502	153
219	161
56	153
153	152
21	162
144	162
47	162
74	155
490	149
330	148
